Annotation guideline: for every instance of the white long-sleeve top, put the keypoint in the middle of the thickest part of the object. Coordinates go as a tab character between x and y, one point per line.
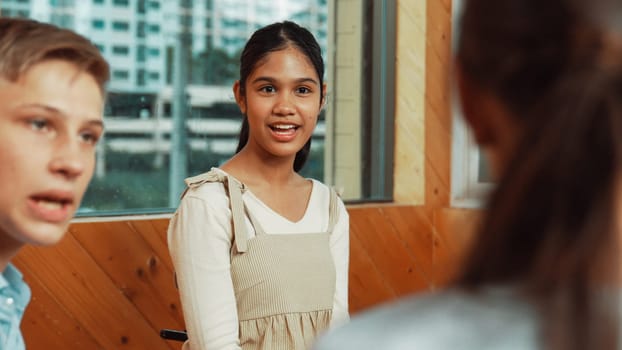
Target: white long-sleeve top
200	242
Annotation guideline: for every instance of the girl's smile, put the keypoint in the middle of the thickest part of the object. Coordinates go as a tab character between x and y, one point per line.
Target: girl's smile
284	132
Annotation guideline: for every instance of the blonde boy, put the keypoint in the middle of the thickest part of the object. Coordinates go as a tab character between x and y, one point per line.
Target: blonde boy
51	102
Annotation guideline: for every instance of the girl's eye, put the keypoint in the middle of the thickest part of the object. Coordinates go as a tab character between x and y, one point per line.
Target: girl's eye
303	90
268	89
39	124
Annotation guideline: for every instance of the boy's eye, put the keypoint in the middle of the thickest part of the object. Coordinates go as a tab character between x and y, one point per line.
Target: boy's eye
39	124
90	138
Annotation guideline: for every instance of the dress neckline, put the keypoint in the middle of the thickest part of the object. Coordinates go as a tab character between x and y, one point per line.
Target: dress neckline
311	199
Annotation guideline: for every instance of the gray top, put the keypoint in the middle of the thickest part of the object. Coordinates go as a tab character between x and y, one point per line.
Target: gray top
495	319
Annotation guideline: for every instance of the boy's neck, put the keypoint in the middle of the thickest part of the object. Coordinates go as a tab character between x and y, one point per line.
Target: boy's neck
8	249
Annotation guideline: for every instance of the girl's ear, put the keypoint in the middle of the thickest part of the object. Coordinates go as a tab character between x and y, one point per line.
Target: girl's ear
493	125
239	97
323	102
472	108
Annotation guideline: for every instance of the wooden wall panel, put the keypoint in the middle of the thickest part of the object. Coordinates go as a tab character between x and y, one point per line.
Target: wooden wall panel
454	230
410	81
390	255
47	324
437	104
109	285
75	281
382	243
367	285
135	268
414	227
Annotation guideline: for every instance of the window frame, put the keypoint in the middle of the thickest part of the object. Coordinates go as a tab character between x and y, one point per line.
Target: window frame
467	191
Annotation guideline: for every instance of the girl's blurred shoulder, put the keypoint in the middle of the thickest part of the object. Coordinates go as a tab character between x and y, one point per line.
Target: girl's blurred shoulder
446	320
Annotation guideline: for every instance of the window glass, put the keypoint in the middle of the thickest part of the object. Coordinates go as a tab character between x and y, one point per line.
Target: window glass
120	74
120	25
156	137
154	5
120	50
98	23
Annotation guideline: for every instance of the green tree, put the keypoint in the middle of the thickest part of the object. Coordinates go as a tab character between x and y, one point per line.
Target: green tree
214	67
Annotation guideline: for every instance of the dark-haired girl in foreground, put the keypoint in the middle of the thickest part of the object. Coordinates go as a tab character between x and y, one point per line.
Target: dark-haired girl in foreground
541	87
261	253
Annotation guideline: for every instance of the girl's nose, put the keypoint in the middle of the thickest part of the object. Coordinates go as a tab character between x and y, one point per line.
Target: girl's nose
284	106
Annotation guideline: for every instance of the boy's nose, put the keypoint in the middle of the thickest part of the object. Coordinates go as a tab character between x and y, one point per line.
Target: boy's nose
68	161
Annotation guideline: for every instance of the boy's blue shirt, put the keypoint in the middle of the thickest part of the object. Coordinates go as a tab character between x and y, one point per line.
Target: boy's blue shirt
14	297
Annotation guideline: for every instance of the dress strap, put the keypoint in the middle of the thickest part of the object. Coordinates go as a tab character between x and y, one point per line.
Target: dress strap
256	225
333	210
196	181
237	212
234	188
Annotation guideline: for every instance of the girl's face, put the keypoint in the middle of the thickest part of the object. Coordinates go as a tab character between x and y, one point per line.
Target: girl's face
282	101
50	121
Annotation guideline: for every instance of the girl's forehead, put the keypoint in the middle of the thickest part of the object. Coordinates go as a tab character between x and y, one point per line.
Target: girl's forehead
287	54
284	66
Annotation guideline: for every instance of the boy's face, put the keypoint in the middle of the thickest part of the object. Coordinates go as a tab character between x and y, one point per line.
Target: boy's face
50	121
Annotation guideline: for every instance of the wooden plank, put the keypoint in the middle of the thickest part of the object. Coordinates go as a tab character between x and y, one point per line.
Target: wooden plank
367	286
153	236
437	104
455	229
46	324
414	227
135	269
154	232
387	251
410	72
161	226
88	294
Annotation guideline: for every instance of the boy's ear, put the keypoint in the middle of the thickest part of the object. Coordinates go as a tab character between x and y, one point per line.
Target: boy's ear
324	92
239	97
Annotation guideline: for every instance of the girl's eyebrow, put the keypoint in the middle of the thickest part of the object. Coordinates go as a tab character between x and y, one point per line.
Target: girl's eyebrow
272	80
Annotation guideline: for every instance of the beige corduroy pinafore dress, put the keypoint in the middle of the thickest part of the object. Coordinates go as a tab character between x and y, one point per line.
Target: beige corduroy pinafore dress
284	283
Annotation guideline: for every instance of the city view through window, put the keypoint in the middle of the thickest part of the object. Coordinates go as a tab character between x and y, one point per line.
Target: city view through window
170	110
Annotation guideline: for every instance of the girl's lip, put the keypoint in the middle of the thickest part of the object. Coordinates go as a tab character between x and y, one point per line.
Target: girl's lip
284	135
52	206
283	123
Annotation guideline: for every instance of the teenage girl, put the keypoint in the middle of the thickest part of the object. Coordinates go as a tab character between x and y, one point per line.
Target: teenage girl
261	253
541	86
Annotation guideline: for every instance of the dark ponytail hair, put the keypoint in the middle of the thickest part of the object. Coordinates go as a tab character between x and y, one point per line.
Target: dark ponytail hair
275	37
550	225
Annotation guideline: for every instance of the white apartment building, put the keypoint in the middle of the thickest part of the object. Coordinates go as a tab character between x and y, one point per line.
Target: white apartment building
138	37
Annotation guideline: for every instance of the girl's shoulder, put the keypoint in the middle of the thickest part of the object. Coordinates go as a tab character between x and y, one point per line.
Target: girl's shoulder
324	188
208	186
330	193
